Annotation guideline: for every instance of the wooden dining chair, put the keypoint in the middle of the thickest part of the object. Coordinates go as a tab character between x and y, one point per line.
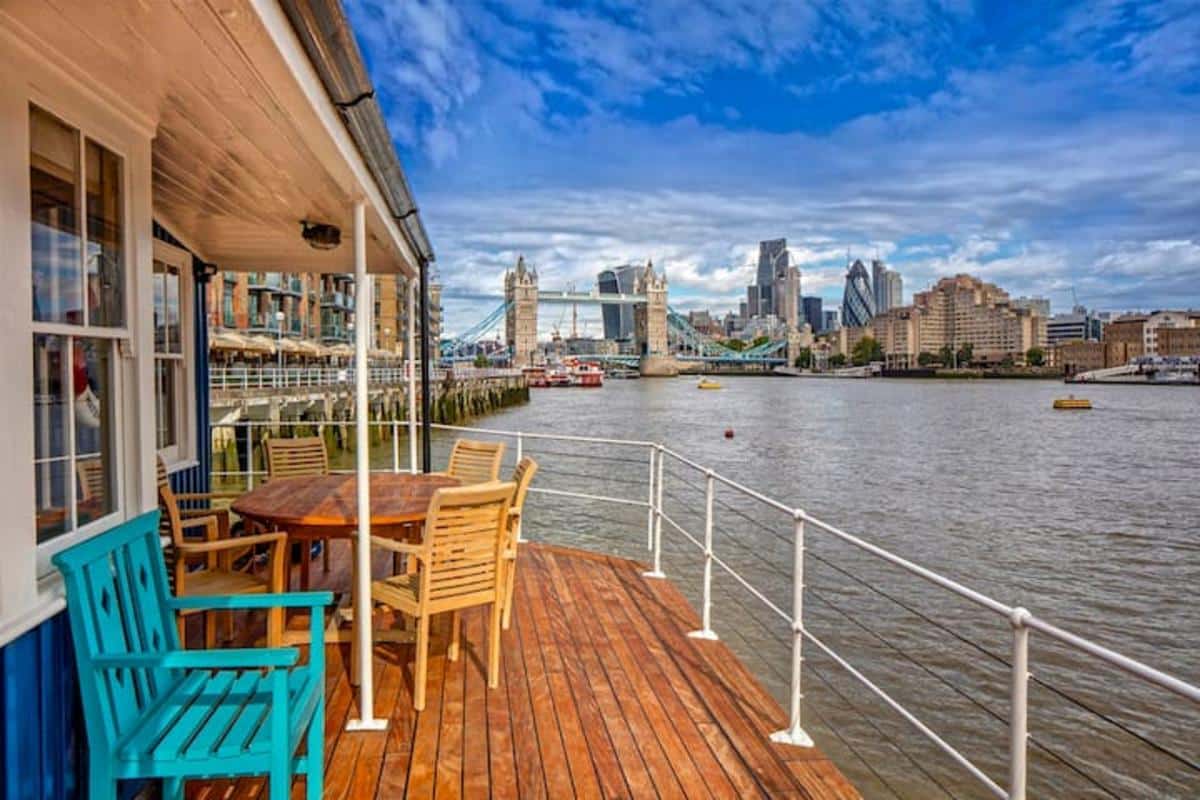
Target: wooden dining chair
475	462
202	535
458	568
290	458
522	477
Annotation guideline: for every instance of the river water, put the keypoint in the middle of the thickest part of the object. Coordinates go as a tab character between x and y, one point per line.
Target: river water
1089	519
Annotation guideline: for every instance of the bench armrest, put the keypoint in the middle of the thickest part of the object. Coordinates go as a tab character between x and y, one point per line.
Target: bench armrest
235	658
232	601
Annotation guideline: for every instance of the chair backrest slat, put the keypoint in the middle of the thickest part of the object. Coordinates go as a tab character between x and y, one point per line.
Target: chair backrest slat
463	540
117	601
294	457
475	462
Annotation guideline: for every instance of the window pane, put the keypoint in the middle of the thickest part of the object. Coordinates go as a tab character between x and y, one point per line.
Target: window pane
94	428
50	383
105	233
167	333
54	204
166	402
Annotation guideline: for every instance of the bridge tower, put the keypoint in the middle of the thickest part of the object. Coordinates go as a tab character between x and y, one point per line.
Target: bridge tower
650	319
520	321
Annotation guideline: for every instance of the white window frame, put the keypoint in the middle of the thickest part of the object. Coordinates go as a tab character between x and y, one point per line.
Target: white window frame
184	454
121	337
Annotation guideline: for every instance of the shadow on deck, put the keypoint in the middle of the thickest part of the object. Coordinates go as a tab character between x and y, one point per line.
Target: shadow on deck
601	695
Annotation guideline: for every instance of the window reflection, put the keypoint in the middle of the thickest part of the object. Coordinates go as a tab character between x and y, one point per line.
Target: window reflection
105	253
50	436
54	204
94	428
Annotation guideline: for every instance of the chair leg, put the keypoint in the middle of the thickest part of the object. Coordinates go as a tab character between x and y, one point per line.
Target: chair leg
172	789
279	784
455	635
210	630
422	663
494	646
228	615
274	627
181	624
315	779
510	580
325	553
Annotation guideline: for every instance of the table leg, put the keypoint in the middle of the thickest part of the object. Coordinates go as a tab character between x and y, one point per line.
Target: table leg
305	560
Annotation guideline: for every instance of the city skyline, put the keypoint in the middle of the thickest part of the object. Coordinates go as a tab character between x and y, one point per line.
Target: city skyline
1040	147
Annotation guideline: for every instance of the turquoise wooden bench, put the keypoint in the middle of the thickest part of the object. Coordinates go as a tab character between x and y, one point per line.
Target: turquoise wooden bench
155	710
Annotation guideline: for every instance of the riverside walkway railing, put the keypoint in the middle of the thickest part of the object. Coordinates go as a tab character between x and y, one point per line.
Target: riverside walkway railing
266	377
653	456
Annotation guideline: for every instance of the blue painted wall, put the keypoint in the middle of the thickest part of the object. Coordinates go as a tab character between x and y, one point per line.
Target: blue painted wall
43	751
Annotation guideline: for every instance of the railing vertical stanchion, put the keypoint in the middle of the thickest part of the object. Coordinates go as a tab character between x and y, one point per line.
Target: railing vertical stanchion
650	504
520	455
657	572
1018	725
794	734
706	631
395	445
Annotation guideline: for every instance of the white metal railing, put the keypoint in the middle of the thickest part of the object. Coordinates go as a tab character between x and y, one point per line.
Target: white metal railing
268	377
1020	621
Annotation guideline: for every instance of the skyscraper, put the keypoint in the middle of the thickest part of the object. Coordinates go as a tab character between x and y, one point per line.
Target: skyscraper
777	288
887	287
879	285
618	318
858	301
813	314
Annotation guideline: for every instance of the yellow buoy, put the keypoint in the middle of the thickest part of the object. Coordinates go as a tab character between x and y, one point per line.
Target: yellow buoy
705	383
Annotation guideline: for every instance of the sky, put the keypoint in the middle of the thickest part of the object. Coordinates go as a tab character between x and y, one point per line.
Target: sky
1047	147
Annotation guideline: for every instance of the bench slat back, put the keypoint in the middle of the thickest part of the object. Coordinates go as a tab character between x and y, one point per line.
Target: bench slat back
117	600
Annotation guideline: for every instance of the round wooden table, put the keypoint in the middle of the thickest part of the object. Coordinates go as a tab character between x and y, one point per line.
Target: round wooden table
326	507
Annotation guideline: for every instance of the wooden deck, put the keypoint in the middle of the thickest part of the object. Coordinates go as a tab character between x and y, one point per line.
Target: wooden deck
601	695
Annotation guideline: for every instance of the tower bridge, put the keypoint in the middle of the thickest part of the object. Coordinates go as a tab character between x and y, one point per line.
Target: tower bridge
657	327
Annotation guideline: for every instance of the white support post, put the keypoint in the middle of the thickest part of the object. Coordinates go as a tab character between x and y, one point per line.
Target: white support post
410	349
1018	725
657	572
794	734
706	631
650	504
363	644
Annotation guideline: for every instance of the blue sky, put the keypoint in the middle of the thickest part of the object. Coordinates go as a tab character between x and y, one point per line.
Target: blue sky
1042	146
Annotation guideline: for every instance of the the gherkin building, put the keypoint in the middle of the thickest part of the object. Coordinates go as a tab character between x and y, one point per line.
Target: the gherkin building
858	301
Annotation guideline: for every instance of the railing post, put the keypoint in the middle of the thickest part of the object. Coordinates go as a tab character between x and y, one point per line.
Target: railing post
395	445
706	631
657	572
1018	725
794	734
650	504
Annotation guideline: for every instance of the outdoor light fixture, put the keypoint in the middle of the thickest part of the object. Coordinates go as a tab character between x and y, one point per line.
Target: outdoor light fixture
320	235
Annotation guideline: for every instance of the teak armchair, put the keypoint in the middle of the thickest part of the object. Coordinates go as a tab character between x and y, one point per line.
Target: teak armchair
522	477
304	455
458	568
214	547
475	462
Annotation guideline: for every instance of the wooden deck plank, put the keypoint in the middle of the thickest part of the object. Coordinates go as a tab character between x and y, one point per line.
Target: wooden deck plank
629	757
575	742
475	783
562	612
448	779
549	736
661	769
601	694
